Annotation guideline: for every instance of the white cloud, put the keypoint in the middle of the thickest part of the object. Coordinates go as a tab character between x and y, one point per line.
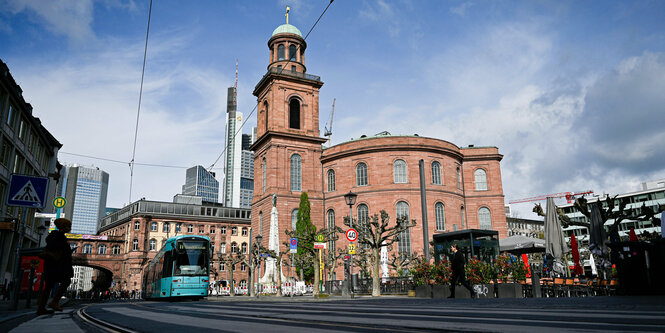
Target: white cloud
461	8
71	18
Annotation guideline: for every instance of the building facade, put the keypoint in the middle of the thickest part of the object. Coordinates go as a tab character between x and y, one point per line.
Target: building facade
246	173
202	183
145	225
26	148
525	227
651	196
462	184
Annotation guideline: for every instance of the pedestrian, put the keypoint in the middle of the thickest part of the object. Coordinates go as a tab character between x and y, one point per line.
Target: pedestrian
58	268
457	267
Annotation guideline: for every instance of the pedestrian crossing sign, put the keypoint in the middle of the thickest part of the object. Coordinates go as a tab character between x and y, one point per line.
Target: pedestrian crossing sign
27	191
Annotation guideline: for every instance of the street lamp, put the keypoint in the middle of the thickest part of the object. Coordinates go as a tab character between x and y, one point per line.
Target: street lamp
258	262
350	199
219	285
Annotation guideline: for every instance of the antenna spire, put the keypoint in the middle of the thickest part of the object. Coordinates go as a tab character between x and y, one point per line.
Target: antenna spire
235	85
287	14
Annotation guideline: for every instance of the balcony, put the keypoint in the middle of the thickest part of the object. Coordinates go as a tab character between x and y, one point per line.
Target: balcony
282	71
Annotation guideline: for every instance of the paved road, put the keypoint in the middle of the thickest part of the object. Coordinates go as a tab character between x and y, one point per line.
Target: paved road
383	315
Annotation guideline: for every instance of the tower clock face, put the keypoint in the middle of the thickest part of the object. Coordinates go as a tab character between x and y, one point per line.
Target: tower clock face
239	118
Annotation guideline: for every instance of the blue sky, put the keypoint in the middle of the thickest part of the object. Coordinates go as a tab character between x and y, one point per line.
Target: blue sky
570	92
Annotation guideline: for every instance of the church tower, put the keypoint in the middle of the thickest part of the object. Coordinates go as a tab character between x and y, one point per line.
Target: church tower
287	152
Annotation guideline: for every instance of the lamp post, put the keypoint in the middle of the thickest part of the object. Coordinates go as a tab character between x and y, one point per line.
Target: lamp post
219	285
258	262
350	199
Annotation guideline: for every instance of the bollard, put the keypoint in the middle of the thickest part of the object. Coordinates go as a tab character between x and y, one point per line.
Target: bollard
535	278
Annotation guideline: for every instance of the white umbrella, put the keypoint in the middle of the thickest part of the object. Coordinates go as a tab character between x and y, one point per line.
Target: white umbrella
592	262
555	243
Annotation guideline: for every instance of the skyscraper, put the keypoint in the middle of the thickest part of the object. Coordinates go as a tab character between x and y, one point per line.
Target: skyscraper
246	173
85	189
200	182
233	144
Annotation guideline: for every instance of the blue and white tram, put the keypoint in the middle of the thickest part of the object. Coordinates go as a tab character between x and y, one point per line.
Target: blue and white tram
180	269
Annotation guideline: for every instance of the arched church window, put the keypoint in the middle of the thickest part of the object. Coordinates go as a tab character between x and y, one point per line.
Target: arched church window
399	171
484	218
294	113
294	219
361	174
296	180
404	244
331	226
440	215
280	52
436	173
263	170
331	180
292	52
481	180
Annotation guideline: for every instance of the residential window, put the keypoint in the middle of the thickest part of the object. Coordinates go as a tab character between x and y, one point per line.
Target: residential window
137	225
22	129
234	247
436	173
153	245
135	245
234	231
190	228
153	226
178	227
296	180
439	213
294	113
166	227
101	249
399	170
404	244
484	218
331	180
74	247
11	117
243	267
481	180
224	230
244	247
244	231
222	247
87	249
361	174
212	230
5	153
222	266
115	249
201	229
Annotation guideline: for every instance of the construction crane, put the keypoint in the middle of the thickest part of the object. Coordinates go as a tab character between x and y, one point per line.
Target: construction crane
328	131
570	196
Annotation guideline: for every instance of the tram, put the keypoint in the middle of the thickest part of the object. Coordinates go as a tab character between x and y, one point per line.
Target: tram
179	270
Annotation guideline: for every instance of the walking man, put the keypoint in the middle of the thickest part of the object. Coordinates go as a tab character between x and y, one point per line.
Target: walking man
457	266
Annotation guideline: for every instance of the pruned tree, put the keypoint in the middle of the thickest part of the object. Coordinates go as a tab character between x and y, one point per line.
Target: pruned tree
402	262
377	233
306	234
230	260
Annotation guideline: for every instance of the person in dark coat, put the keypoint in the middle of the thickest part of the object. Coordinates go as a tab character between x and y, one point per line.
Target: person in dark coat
57	267
457	267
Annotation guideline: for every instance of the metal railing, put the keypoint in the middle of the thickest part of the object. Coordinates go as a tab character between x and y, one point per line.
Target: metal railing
283	71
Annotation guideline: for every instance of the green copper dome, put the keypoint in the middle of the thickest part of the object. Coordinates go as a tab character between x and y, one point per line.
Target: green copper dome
287	29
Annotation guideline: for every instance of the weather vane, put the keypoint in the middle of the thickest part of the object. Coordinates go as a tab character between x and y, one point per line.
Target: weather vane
287	14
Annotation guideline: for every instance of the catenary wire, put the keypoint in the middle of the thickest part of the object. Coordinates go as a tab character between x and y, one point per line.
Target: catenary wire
138	112
271	83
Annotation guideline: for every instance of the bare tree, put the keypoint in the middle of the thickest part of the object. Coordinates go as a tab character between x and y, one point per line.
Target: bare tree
376	234
230	260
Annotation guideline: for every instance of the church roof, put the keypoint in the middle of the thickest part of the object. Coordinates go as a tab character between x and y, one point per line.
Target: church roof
287	29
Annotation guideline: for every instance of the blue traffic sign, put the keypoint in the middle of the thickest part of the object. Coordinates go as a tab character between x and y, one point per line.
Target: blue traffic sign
293	245
27	191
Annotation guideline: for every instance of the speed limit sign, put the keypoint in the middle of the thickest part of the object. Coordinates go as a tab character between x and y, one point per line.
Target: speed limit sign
351	235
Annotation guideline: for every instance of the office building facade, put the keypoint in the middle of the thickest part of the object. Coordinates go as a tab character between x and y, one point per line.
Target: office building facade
85	189
201	182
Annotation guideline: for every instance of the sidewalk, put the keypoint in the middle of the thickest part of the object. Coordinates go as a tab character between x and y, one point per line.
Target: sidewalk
7	314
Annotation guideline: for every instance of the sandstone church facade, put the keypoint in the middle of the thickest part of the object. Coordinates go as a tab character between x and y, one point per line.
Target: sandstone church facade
463	185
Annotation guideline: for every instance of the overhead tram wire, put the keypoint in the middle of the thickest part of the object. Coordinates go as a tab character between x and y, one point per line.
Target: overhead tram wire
125	162
138	112
271	83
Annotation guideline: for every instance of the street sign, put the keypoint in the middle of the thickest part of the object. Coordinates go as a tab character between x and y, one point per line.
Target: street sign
351	235
352	248
320	238
59	202
319	245
27	191
293	245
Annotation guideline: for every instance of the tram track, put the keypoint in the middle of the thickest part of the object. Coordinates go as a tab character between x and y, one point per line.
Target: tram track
100	324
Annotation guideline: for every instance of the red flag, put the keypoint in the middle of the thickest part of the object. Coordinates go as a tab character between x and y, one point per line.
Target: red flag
577	269
631	235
